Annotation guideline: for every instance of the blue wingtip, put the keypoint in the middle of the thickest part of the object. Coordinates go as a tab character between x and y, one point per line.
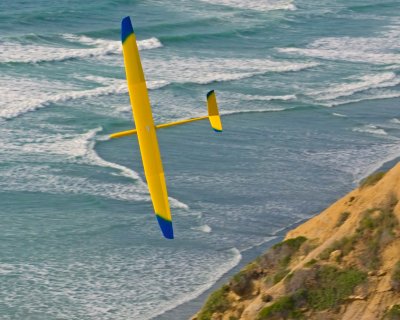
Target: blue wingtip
126	28
166	227
210	93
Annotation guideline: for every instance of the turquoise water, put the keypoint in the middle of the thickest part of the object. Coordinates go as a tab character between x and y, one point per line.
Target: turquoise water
310	100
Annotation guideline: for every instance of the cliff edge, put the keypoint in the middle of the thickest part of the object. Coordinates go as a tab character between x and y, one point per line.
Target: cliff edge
342	264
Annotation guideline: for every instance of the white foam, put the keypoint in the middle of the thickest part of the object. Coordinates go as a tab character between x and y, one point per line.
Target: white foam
373	96
355	85
203	228
128	283
177	204
46	179
390	154
34	53
360	161
146	44
112	82
265	98
92	157
395	120
86	153
380	49
339	115
265	5
67	148
63	148
6	268
337	54
231	112
189	70
217	274
264	240
44	93
371	129
206	71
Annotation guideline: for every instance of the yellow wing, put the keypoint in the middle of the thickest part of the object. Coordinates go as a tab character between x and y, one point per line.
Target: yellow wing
146	130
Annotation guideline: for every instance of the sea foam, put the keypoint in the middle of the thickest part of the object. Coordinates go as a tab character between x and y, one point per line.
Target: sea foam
205	70
379	50
355	85
65	148
222	269
45	93
268	5
17	52
371	129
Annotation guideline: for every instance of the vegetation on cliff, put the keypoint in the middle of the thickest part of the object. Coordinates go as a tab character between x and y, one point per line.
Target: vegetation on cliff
342	264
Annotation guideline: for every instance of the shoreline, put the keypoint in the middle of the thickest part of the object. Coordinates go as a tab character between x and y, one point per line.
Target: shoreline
188	309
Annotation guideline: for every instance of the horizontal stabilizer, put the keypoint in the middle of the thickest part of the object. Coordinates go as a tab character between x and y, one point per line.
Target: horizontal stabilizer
213	114
123	133
171	124
213	117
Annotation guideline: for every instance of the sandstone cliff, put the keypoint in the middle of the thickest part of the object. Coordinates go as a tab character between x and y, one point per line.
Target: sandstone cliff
342	264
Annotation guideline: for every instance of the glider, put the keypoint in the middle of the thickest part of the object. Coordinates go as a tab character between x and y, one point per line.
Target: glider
146	129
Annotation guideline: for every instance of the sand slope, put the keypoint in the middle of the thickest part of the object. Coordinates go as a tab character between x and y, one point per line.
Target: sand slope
342	264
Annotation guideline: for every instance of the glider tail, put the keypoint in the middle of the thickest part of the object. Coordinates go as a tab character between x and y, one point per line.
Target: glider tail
213	117
213	114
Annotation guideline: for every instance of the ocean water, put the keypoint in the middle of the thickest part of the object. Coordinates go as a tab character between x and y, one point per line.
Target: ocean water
309	94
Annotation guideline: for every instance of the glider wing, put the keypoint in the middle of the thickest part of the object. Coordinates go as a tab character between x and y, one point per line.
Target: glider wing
145	129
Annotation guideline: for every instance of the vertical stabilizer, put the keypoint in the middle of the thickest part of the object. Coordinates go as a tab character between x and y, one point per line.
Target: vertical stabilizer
213	114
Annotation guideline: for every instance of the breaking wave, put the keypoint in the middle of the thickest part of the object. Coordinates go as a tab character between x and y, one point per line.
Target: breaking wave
15	52
44	94
378	50
371	129
363	83
268	5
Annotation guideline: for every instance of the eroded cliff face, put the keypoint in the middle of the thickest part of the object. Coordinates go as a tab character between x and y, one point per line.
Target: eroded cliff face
342	264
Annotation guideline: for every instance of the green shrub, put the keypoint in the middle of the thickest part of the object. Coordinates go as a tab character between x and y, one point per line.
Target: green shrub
393	313
375	230
216	302
346	244
294	243
395	278
241	283
369	222
284	307
280	255
332	286
342	219
280	275
323	287
372	179
310	263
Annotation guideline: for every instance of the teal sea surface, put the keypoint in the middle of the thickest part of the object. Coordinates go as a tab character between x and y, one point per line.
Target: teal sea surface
309	94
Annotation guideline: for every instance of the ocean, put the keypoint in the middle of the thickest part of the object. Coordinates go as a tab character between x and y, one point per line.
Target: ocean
309	94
